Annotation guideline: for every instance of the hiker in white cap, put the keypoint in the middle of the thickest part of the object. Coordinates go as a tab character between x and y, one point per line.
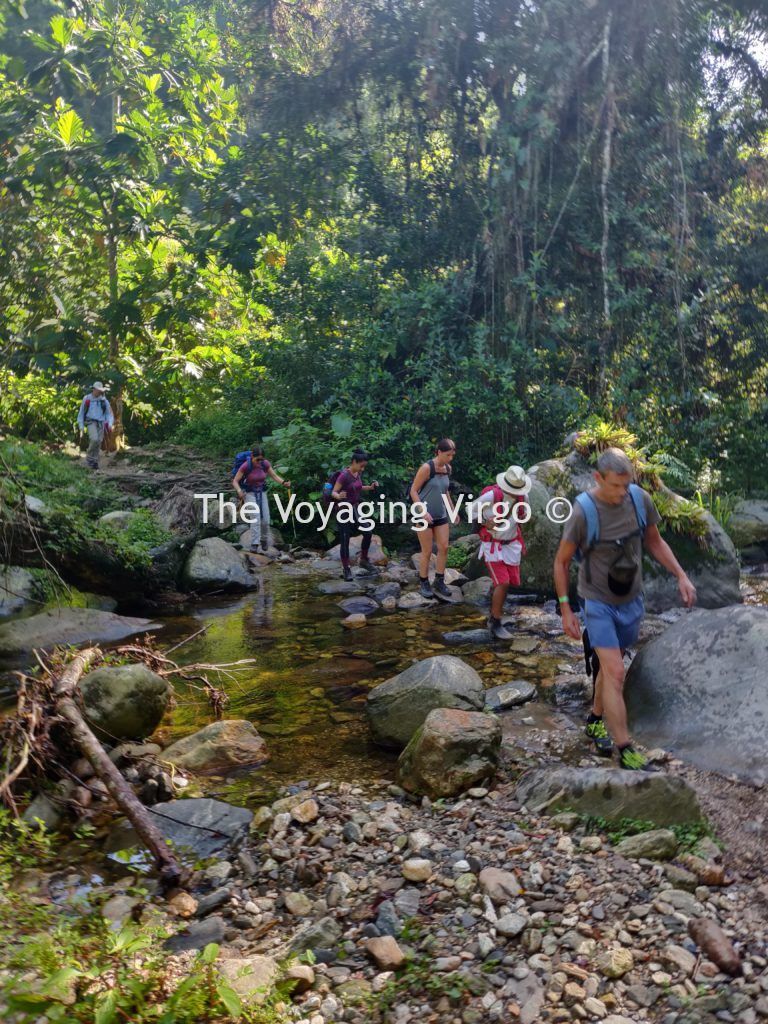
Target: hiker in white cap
96	417
501	539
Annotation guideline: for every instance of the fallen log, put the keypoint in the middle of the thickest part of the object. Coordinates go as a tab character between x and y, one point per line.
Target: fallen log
66	706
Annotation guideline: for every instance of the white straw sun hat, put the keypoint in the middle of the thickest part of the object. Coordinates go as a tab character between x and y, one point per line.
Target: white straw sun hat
514	480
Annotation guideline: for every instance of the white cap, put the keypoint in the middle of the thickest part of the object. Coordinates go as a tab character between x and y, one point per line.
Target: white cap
98	386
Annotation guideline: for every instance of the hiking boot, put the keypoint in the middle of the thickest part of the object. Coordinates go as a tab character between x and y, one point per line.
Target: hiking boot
633	761
439	589
425	590
367	567
498	630
347	574
599	736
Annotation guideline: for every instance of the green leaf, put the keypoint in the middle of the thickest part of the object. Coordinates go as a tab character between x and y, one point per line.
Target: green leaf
105	1008
230	999
152	82
69	127
210	953
56	984
61	29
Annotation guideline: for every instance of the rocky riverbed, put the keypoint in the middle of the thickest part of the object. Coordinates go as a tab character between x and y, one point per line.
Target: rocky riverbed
381	905
464	911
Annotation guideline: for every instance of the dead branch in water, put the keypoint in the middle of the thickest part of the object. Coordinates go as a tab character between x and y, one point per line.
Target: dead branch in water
64	691
51	700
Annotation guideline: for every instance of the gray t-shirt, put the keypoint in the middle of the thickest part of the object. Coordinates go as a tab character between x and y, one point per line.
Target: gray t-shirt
615	521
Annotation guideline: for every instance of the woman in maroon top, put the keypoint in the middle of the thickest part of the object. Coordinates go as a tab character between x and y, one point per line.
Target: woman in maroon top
347	490
250	484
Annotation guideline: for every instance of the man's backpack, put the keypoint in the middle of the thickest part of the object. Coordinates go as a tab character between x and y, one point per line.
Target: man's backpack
586	503
87	406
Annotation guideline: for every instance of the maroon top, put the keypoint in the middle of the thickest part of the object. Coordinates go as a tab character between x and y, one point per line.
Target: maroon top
353	485
254	480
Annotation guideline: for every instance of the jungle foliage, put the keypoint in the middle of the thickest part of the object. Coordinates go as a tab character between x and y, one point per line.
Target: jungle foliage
486	219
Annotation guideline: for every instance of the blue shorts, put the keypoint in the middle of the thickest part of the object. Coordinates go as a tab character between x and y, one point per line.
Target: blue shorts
613	625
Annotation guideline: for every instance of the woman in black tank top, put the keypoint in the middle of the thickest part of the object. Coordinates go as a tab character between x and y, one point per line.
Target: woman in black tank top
430	489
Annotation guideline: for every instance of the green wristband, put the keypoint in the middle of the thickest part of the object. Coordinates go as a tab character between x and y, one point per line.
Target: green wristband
563	600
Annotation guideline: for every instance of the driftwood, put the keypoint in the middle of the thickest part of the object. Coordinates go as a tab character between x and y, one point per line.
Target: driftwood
50	703
66	706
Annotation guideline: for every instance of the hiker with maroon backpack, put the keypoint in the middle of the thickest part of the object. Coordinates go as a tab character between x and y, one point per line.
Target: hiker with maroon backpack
97	418
250	483
501	539
429	490
346	489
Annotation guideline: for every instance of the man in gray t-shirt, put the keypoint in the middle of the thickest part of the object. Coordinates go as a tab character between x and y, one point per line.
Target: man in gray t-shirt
616	521
610	590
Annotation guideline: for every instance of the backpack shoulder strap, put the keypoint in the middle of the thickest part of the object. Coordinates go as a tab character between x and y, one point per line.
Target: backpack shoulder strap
432	470
586	503
638	500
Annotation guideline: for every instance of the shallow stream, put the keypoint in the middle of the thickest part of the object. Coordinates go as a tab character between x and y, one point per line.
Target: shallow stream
305	692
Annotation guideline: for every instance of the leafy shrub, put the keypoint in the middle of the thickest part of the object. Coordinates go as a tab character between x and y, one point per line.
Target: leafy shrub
134	542
458	557
32	406
231	426
681	516
721	506
57	479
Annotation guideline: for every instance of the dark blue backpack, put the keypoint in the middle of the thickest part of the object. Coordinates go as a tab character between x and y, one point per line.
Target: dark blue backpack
238	462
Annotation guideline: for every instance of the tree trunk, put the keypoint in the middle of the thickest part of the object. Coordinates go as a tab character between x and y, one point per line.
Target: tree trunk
610	120
115	439
121	792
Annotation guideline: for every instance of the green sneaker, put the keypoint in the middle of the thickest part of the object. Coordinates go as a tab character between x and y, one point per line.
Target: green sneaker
634	761
599	736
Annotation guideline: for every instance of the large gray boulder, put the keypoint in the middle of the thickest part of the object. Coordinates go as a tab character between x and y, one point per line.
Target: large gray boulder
68	626
17	590
124	702
452	751
213	564
397	707
610	793
199	824
181	512
478	590
713	566
219	746
748	525
699	690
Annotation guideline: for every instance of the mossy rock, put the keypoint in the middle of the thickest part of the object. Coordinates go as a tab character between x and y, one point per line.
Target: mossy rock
124	702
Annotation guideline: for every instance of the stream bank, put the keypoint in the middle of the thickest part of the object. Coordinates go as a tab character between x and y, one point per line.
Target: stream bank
575	930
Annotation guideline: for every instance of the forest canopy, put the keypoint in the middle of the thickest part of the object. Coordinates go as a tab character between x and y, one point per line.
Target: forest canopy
385	221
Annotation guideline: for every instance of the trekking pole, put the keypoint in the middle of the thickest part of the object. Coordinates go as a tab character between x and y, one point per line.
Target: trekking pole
293	520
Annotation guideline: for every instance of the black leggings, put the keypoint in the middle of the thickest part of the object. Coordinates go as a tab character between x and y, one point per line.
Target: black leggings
346	531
